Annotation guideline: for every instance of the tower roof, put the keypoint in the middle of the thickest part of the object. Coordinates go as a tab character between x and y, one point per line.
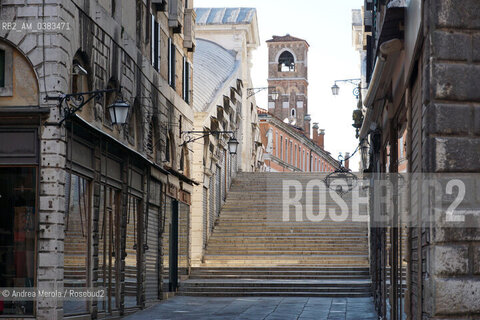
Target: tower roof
286	38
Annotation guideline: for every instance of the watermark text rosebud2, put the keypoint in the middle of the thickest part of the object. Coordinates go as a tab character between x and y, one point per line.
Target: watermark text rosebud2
310	201
451	200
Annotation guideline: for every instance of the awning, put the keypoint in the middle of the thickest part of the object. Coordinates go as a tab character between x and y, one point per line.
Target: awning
378	88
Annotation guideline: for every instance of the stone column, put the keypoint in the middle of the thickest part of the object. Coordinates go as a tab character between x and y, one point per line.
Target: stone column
451	75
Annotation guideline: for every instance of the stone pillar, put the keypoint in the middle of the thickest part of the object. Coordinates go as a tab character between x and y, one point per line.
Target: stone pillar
451	75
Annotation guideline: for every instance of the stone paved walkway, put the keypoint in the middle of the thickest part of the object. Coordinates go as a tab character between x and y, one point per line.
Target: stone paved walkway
259	308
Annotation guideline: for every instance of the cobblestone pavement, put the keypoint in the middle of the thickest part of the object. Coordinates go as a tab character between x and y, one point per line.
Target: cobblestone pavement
259	308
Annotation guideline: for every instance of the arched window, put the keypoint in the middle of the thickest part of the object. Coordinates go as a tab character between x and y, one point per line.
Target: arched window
286	62
276	144
81	74
291	153
304	163
296	157
184	164
150	138
281	147
130	132
293	113
109	99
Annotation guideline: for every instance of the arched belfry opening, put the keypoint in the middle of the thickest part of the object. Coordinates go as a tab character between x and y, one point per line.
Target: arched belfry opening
288	74
286	62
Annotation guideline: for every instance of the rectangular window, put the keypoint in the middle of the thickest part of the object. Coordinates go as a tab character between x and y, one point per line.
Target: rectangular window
186	81
171	63
18	189
2	68
155	43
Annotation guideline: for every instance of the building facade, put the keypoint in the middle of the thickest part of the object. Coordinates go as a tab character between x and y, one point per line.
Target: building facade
237	29
420	113
288	78
285	126
287	149
88	203
221	103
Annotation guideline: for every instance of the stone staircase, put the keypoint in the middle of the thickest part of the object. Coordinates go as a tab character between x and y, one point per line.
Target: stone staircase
254	251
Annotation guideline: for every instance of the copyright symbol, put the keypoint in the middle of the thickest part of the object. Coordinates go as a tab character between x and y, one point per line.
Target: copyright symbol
6	293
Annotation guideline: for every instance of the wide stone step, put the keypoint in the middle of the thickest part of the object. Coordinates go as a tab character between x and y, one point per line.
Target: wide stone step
296	239
336	294
288	246
264	252
275	261
273	277
284	269
274	288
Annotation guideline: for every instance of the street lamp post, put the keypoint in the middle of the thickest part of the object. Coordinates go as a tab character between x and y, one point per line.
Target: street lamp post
356	82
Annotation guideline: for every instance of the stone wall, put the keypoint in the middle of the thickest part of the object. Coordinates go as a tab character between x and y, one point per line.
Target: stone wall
451	104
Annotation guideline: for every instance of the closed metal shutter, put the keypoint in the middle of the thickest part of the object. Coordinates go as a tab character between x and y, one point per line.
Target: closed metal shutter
152	255
223	182
183	237
218	189
229	168
166	241
205	216
211	205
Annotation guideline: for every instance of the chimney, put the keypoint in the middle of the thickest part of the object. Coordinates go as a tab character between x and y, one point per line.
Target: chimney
347	161
315	132
307	120
321	138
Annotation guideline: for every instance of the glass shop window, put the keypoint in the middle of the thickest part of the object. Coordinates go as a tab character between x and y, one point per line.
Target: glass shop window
77	230
18	189
132	250
2	68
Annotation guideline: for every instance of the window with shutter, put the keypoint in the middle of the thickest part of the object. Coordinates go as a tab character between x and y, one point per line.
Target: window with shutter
171	63
186	81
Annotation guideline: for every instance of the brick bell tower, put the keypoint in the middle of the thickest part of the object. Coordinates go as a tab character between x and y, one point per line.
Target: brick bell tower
288	74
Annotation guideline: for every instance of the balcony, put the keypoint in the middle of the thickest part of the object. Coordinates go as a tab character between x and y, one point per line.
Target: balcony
189	29
175	15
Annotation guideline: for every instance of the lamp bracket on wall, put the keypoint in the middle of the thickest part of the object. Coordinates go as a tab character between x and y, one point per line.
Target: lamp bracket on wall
253	91
192	136
74	102
355	81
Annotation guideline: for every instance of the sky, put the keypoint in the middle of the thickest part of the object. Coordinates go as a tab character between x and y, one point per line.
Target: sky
327	27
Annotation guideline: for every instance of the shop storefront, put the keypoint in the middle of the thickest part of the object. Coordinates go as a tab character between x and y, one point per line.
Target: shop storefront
18	211
116	211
